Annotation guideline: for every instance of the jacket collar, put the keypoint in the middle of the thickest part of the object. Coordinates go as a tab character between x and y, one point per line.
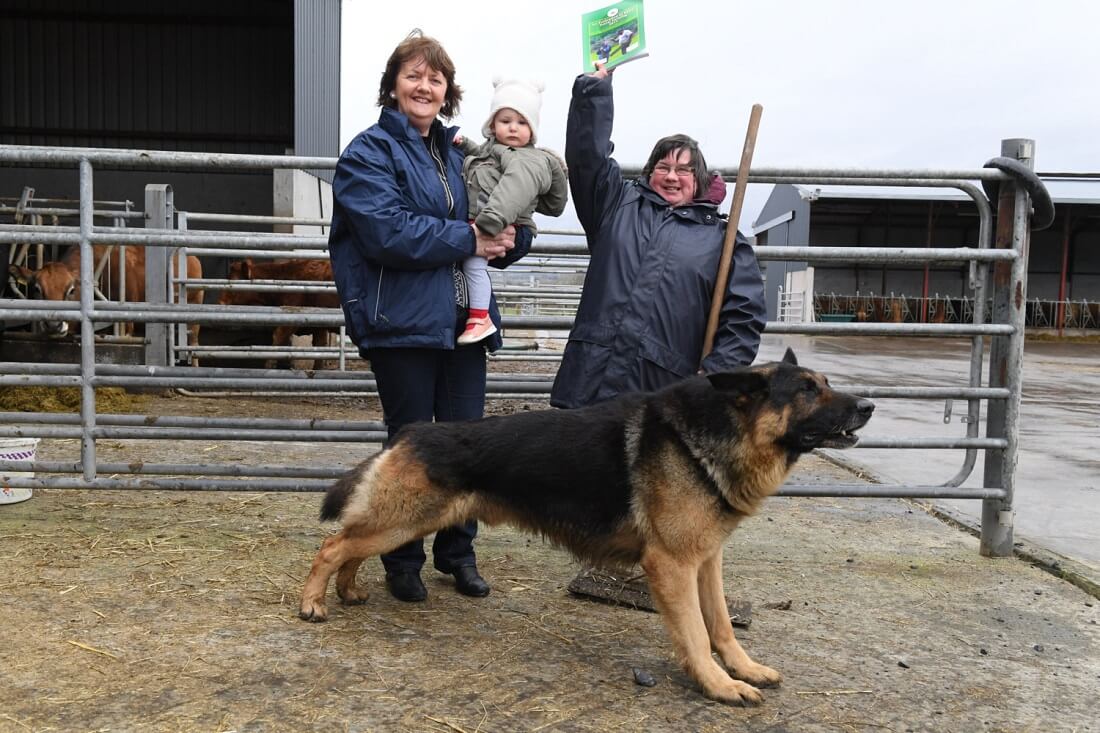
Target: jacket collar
701	212
397	124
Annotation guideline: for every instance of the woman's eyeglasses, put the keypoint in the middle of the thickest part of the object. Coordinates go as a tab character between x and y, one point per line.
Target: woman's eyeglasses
663	169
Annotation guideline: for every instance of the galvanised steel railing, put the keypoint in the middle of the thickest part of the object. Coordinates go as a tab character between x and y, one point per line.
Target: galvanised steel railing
1006	256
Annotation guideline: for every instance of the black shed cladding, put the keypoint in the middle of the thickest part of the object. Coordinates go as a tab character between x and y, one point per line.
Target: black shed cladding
200	75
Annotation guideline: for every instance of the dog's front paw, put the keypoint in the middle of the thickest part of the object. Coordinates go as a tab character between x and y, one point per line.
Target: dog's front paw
758	674
311	611
734	692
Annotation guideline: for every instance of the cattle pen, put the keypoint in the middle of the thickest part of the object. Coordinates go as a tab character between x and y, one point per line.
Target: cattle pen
153	579
997	262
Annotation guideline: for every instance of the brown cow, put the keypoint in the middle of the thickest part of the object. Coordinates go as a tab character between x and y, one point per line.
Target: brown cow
937	310
61	281
312	270
895	310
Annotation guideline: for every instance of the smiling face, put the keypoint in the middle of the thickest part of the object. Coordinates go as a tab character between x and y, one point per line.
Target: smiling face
673	178
419	91
511	128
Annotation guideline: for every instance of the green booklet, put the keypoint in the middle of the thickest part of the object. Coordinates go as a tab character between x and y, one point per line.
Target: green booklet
614	34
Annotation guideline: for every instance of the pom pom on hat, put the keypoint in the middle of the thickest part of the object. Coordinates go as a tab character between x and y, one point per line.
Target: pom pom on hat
522	95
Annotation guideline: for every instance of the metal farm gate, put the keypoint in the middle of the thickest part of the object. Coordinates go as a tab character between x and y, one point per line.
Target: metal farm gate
997	262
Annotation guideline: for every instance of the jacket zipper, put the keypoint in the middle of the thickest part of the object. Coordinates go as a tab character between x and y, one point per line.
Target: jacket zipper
442	172
378	297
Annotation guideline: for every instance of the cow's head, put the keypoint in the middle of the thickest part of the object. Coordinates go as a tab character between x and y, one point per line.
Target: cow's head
242	270
53	281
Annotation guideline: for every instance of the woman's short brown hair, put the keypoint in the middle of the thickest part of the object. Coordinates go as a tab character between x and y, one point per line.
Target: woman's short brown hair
417	45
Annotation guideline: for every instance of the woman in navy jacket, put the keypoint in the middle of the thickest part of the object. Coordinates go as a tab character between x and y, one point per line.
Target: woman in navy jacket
399	235
654	243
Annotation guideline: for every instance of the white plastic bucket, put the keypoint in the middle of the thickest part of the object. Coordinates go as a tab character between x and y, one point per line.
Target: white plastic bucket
15	449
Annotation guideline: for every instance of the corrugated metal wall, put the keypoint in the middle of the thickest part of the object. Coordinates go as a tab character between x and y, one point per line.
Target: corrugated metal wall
192	75
317	79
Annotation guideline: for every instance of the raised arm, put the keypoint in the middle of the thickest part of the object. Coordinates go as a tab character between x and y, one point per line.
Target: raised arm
386	228
594	177
743	315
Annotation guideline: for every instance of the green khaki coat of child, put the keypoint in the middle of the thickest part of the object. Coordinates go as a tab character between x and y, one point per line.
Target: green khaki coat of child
494	206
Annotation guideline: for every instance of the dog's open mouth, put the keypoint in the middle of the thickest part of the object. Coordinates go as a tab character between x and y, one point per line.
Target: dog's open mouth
841	436
843	439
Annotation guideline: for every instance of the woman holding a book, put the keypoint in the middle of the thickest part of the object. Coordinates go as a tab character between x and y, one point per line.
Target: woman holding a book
654	243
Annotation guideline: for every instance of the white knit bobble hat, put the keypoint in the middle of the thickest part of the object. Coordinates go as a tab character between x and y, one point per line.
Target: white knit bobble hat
522	95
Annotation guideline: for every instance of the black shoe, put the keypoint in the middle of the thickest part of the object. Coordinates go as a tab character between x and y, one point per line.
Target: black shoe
469	582
406	585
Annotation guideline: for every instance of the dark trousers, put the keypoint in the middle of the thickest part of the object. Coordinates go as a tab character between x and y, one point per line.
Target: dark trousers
417	385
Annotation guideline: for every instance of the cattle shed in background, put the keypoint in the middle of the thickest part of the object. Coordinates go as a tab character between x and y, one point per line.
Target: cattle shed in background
1063	265
253	77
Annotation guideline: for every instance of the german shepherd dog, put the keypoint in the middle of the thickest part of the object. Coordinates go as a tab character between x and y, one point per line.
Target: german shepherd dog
659	479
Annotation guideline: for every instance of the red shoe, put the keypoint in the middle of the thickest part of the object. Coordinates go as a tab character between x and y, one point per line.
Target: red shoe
476	330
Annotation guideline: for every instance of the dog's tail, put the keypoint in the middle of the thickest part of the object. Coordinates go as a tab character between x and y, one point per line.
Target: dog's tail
336	498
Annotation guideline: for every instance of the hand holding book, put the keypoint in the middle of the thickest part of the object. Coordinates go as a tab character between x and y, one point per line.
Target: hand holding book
601	72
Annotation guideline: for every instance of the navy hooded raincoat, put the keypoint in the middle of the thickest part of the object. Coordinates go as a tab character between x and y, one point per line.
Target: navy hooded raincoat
647	294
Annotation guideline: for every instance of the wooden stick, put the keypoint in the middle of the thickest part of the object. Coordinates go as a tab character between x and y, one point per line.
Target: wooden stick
739	186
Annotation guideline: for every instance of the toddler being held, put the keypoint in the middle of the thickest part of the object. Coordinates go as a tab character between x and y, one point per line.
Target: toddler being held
507	180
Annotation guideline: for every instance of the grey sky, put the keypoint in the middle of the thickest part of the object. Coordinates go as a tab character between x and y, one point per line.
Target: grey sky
936	83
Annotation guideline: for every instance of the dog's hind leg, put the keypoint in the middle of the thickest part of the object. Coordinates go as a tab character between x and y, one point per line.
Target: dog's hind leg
348	592
333	554
673	585
712	600
344	552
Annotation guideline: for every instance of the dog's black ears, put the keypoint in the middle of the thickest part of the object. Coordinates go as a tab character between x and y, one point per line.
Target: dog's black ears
789	357
742	383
